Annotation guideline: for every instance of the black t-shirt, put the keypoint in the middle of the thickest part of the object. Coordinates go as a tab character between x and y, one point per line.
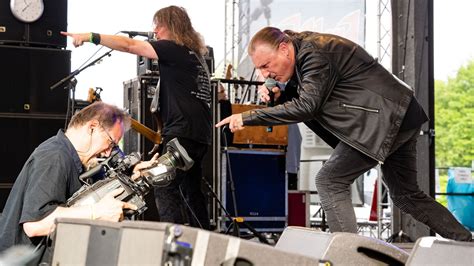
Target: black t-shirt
185	93
49	177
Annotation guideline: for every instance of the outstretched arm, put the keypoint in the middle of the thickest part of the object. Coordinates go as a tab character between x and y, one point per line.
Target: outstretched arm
115	42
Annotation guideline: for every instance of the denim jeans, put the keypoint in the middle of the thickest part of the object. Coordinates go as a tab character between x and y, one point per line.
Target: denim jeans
183	202
399	174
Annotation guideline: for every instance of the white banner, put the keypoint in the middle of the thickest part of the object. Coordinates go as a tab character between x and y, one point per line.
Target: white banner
341	17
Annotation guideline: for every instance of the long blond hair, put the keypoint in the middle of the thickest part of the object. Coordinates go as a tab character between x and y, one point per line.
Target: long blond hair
177	21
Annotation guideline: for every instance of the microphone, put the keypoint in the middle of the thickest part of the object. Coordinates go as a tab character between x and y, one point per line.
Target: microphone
270	83
131	34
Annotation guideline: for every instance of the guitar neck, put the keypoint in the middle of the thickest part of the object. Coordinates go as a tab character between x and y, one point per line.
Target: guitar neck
148	133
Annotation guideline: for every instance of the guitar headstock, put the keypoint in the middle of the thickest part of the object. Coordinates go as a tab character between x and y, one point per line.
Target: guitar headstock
93	94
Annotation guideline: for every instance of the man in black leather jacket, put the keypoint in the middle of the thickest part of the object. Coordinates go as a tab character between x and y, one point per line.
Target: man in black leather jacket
364	112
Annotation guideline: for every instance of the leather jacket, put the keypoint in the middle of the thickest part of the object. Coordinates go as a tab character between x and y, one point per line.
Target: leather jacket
347	92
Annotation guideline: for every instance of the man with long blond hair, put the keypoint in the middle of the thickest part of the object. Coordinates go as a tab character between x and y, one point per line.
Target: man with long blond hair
184	103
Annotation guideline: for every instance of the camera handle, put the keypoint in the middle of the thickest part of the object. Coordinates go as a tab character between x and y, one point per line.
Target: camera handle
235	221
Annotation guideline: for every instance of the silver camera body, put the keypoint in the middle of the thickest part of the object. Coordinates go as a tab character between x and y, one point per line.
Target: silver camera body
117	169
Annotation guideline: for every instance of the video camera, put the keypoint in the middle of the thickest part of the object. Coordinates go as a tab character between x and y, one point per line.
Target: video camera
116	171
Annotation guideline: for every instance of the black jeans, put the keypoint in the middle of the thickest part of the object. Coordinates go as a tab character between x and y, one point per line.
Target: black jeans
191	210
399	174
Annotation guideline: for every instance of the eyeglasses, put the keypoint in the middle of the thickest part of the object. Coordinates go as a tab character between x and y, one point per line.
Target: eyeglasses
112	143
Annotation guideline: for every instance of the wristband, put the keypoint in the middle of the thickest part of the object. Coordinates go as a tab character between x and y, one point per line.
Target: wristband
95	38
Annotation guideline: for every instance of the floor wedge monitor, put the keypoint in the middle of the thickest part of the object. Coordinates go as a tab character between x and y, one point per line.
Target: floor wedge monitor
340	248
435	251
87	242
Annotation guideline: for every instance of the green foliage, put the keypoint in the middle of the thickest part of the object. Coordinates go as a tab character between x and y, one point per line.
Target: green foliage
454	119
443	183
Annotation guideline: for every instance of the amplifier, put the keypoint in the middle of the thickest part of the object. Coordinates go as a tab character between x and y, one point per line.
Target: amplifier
138	94
260	135
260	188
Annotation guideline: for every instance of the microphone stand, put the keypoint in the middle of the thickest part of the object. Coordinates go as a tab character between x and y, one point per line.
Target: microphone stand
72	81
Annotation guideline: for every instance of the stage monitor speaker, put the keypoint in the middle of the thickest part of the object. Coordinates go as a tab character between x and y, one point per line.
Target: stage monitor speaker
87	242
45	32
435	251
340	248
259	183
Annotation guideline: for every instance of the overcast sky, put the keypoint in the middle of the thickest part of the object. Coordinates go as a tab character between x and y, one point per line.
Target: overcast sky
453	42
453	37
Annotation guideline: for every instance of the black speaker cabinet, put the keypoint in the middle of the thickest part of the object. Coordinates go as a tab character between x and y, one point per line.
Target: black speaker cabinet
260	189
29	111
86	242
11	29
340	248
42	33
137	97
20	135
27	74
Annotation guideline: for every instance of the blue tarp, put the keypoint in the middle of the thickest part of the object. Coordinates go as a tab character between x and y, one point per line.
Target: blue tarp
460	205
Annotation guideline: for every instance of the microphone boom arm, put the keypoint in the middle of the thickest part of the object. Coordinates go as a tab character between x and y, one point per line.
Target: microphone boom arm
77	71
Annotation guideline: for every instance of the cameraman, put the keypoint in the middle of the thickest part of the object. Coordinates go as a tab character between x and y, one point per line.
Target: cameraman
51	175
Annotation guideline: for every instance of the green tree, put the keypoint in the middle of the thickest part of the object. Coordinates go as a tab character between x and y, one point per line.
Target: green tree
454	119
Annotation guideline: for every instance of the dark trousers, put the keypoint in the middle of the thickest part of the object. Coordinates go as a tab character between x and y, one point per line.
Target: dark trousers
183	202
399	174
